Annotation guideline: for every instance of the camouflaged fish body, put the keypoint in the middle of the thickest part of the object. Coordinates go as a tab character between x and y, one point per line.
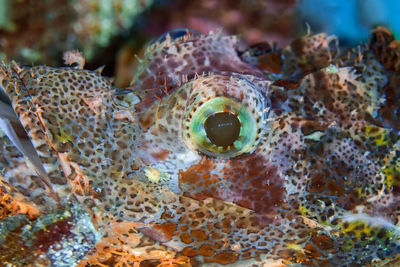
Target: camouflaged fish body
308	176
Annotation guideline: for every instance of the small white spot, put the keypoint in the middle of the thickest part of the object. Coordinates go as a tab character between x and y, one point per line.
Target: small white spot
314	136
206	62
152	174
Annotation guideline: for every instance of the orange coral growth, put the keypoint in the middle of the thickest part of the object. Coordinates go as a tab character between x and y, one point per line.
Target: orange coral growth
123	245
11	205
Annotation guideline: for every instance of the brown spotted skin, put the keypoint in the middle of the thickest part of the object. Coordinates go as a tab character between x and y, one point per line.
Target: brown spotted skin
318	185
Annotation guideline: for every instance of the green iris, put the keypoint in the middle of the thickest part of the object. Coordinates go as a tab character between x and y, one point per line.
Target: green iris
223	126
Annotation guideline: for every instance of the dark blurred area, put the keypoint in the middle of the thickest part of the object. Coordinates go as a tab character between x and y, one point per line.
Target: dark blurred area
113	33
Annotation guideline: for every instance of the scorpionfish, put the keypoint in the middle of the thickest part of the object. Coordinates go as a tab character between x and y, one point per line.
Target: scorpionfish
214	156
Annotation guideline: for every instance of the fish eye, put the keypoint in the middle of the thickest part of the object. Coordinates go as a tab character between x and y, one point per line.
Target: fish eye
224	125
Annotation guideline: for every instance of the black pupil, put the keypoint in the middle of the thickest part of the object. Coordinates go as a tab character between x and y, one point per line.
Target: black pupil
222	128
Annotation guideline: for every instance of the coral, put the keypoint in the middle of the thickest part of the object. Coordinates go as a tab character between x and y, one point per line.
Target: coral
12	205
39	32
46	240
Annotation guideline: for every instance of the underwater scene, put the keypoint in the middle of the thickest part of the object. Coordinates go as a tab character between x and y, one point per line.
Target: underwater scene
199	133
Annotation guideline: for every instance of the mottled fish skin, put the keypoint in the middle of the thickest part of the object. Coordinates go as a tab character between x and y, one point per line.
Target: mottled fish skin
311	180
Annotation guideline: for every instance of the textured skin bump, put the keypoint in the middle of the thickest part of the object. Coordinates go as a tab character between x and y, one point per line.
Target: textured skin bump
318	185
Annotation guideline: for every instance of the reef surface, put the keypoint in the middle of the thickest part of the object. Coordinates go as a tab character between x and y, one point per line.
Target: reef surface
213	156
